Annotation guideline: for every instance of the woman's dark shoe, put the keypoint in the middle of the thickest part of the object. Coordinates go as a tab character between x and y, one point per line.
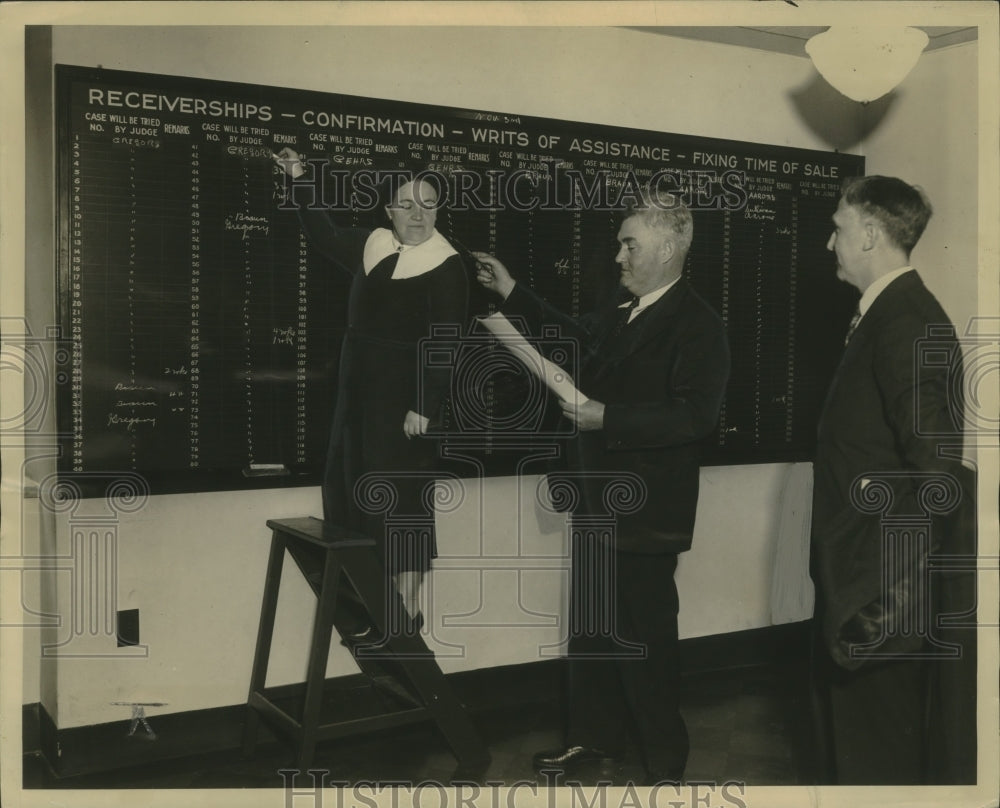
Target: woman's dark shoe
369	634
362	636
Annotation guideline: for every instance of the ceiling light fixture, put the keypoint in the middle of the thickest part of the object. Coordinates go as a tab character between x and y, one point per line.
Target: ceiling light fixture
866	63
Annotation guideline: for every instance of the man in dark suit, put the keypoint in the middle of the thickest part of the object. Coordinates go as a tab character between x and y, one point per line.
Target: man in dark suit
887	472
654	371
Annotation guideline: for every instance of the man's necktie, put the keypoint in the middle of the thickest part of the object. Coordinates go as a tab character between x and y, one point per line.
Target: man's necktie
853	325
624	312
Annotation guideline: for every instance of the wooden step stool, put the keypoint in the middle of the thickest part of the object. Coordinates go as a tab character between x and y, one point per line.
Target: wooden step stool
402	664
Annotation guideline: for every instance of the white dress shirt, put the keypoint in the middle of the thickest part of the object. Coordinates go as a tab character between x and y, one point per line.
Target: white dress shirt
648	299
877	287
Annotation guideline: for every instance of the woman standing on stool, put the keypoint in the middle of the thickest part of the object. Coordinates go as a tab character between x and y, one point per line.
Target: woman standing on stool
405	280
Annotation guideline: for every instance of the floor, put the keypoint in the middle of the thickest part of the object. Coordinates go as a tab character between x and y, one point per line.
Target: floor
746	725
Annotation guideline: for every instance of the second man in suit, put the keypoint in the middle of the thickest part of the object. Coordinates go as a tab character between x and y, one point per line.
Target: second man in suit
654	371
890	491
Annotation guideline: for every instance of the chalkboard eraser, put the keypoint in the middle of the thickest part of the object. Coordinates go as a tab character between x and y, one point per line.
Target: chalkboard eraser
266	470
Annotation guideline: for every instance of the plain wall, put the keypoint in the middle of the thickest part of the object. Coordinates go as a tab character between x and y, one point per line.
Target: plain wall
932	144
194	564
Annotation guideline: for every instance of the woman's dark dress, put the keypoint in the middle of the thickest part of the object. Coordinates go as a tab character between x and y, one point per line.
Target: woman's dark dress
381	378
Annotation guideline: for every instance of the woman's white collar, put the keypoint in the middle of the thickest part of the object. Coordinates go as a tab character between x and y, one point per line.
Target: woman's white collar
413	259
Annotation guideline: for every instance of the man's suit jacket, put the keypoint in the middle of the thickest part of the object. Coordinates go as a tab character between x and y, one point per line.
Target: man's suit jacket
662	381
893	403
890	406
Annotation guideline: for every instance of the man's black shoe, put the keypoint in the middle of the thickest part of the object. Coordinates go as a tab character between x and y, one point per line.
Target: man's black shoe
571	756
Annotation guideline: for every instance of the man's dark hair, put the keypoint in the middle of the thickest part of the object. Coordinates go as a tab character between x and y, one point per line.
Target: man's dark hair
903	210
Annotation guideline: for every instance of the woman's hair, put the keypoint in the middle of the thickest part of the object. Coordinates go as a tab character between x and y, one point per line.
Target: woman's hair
390	181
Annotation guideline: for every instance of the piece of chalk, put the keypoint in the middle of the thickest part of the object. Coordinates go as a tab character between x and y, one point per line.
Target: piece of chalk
265	470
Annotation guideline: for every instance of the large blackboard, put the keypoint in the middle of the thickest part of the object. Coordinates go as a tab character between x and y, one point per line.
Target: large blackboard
202	333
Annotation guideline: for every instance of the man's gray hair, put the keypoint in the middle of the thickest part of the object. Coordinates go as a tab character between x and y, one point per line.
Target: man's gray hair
666	212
